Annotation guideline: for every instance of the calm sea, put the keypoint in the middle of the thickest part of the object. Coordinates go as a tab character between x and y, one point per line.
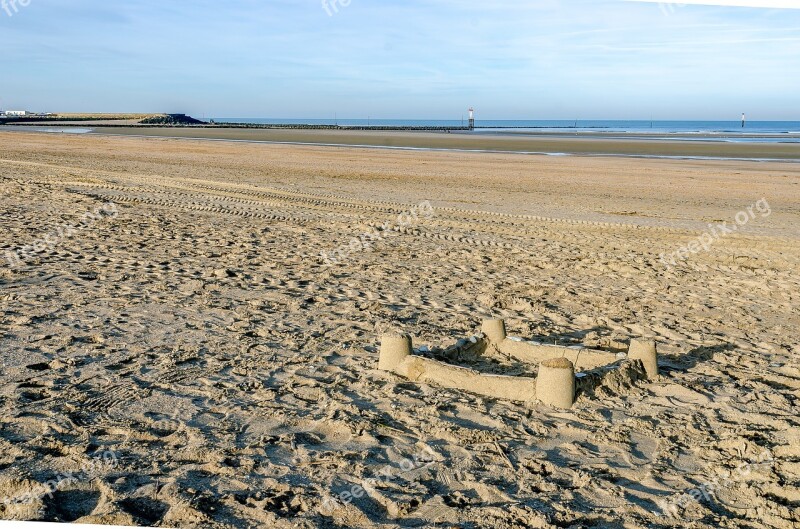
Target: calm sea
772	131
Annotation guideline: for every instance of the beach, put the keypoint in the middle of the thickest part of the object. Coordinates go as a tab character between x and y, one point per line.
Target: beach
756	146
190	329
546	143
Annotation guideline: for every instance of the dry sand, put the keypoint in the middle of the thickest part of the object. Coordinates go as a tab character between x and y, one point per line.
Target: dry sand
199	338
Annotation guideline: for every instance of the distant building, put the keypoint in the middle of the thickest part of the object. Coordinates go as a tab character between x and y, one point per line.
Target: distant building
16	113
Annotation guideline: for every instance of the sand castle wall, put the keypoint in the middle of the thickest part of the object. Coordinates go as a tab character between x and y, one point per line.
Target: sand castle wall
420	369
556	383
536	353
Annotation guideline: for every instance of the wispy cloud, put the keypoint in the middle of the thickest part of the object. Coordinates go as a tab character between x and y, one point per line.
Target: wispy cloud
762	4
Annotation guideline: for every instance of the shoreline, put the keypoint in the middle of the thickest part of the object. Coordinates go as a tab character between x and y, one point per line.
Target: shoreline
510	130
545	145
477	142
468	151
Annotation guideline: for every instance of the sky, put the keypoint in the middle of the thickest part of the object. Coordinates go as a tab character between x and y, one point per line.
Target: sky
425	59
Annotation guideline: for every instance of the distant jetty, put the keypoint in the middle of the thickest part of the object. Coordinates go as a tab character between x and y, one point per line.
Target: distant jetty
297	126
186	121
129	119
183	120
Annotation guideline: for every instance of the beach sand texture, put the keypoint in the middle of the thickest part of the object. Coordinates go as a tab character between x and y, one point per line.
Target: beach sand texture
546	142
199	337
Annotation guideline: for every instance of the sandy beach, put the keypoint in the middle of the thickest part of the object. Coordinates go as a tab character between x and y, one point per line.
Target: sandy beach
563	143
189	331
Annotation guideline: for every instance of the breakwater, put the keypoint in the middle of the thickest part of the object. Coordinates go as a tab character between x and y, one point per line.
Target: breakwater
388	128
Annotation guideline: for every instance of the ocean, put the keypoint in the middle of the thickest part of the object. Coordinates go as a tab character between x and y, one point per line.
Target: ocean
767	131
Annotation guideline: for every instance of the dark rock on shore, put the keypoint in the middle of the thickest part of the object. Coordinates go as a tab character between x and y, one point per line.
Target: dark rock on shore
171	119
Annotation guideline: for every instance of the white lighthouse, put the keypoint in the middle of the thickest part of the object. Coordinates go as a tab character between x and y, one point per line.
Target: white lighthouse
471	118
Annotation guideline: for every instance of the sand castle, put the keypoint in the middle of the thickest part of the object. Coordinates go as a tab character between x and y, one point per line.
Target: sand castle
563	371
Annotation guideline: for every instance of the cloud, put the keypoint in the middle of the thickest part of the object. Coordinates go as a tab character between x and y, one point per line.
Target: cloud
763	4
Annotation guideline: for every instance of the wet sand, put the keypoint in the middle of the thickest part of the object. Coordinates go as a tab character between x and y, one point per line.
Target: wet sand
199	336
562	143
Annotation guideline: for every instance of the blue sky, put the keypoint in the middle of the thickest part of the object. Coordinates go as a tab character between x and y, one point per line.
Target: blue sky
537	59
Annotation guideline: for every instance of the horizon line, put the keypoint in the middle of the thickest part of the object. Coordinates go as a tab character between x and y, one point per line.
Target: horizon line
571	120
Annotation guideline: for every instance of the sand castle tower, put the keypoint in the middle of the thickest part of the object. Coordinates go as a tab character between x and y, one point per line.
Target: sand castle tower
395	347
495	330
555	384
646	351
